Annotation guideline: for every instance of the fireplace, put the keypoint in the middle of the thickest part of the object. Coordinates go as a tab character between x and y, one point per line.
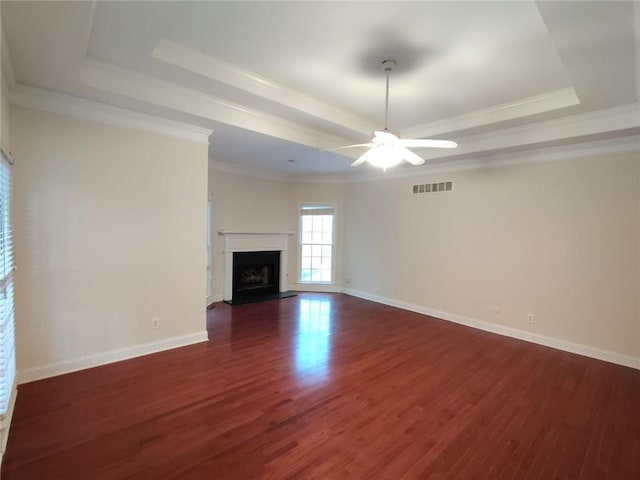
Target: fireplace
255	274
258	281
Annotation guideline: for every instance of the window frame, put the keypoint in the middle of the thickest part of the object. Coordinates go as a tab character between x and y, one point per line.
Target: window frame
7	297
333	244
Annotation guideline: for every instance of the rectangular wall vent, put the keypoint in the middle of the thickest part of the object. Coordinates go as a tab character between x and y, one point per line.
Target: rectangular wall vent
433	187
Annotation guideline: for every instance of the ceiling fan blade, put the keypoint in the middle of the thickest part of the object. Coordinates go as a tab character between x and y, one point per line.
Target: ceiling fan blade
426	143
411	157
362	158
349	146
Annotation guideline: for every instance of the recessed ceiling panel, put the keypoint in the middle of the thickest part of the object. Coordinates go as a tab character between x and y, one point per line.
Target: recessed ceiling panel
492	75
454	57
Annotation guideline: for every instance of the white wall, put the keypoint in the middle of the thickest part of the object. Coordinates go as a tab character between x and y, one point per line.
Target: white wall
251	204
310	192
110	232
243	203
5	142
559	240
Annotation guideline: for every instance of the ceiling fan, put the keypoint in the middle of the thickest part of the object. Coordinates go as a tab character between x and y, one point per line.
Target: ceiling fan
386	148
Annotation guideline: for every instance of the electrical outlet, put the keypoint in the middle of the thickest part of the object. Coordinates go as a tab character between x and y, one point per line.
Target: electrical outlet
155	323
531	319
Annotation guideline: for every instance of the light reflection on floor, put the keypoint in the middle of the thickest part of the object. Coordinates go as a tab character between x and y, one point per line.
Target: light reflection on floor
314	331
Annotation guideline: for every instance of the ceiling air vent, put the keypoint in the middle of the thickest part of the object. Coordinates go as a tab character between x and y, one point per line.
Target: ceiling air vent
433	187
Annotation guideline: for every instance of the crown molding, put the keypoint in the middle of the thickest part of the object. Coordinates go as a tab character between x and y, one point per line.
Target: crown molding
245	171
525	107
310	178
536	156
265	174
200	63
573	129
48	101
567	129
533	156
107	77
598	121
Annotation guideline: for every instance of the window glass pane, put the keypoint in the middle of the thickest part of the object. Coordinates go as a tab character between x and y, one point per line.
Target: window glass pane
327	225
7	337
316	262
326	263
316	243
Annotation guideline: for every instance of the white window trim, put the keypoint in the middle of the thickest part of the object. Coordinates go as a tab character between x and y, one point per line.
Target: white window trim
333	241
8	378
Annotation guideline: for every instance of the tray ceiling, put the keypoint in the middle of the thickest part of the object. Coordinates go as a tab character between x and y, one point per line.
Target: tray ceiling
280	81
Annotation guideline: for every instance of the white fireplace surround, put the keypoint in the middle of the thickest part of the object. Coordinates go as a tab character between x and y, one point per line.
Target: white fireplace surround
253	242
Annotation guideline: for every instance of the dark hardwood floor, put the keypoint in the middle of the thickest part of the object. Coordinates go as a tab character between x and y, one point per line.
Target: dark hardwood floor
325	386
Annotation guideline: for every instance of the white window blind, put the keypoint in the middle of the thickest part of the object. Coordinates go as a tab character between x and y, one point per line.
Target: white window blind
316	243
7	329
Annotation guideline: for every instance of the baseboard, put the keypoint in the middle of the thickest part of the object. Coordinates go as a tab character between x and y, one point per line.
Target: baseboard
67	366
5	420
309	287
559	344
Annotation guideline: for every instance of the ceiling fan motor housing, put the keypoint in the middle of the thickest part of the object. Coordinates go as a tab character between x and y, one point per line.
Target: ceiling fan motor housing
388	65
394	132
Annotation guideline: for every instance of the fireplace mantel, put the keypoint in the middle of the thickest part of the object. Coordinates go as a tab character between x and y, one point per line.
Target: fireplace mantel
253	242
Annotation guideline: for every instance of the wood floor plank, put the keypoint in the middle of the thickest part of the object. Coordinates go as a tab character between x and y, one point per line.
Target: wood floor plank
330	386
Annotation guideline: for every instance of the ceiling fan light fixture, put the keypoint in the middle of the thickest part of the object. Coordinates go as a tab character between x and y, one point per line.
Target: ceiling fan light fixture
385	156
386	148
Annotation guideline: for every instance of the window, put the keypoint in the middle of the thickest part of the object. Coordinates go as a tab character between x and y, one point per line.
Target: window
316	243
7	335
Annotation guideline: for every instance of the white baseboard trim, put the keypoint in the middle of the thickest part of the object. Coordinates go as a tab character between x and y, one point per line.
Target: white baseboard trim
309	287
67	366
5	420
565	345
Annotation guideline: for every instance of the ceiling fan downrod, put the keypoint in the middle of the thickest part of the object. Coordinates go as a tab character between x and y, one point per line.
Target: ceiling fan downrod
388	66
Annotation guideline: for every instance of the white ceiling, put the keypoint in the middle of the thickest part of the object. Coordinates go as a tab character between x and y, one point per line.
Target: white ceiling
280	81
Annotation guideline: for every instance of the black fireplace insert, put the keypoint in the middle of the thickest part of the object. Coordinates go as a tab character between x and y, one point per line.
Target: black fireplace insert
255	274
